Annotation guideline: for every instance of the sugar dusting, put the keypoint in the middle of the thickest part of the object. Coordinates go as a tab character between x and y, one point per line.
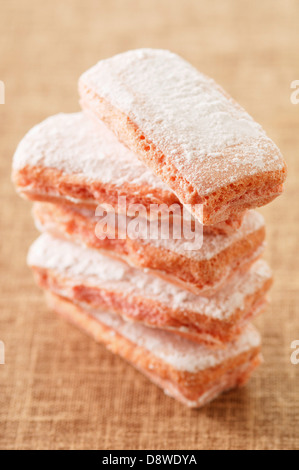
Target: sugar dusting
73	143
213	243
178	352
208	137
83	266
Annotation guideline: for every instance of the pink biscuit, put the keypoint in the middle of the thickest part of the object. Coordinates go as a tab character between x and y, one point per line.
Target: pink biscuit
194	136
203	271
85	276
189	372
79	155
67	159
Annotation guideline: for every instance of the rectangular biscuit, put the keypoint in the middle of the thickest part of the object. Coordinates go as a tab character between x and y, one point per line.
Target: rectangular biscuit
86	277
202	271
67	159
187	371
189	131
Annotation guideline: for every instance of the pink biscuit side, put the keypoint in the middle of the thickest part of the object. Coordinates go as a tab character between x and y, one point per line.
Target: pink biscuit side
195	137
73	144
187	371
97	282
84	266
67	159
229	380
68	155
201	271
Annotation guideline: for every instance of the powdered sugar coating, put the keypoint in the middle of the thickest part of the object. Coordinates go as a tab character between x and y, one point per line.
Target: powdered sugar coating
73	143
178	352
186	115
83	266
213	243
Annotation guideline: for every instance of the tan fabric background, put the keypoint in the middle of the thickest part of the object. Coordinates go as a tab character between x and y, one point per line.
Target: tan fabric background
60	390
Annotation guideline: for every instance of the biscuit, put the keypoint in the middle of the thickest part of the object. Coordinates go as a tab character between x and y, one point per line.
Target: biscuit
201	271
187	371
188	130
67	159
85	276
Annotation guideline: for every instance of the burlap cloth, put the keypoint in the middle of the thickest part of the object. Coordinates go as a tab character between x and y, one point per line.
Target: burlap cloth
58	388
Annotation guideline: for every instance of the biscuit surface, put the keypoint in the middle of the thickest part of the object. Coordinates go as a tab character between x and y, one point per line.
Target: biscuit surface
85	276
189	372
187	129
202	271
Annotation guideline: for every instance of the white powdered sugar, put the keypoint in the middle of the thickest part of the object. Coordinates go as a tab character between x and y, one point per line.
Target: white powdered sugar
178	352
83	266
208	137
213	243
74	144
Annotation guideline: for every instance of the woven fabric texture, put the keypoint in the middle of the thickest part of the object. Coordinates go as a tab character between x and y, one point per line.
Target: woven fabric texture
60	390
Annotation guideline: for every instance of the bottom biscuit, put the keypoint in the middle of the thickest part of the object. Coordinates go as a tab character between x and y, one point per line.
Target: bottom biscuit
187	371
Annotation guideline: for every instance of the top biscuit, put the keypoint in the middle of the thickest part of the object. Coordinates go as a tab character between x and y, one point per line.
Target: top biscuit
189	131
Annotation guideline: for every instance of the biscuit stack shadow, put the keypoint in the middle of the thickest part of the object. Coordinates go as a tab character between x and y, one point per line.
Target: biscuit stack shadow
155	131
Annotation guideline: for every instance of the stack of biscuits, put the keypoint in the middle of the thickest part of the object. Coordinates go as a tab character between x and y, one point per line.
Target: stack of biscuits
155	134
